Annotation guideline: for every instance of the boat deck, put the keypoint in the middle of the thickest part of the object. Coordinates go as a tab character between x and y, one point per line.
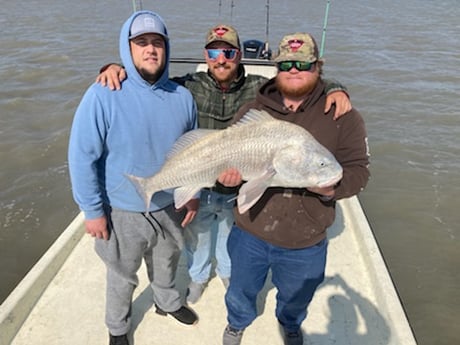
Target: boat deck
357	303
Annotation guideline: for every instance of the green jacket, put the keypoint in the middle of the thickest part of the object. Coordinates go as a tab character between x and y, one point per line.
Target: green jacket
216	106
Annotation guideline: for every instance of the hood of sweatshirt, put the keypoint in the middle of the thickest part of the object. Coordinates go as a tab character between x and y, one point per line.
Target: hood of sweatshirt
125	52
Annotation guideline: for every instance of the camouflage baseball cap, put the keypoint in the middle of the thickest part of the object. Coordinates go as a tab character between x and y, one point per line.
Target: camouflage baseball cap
297	47
223	33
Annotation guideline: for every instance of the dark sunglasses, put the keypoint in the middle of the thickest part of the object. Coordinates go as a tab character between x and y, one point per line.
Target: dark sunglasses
286	66
229	54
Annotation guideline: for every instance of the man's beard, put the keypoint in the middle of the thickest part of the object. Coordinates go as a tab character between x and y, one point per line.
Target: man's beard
151	77
228	77
289	91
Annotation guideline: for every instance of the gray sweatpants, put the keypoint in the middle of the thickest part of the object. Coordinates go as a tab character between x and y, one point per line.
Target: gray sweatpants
156	238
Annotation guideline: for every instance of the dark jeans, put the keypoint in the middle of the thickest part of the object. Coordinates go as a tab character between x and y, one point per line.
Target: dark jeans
296	273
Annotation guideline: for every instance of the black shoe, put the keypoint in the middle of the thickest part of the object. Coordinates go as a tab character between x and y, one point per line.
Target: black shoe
119	339
183	314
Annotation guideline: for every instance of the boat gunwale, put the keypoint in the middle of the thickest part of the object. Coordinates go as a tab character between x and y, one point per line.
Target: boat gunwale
17	306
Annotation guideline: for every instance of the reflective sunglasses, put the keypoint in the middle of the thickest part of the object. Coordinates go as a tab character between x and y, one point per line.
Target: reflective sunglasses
286	66
229	54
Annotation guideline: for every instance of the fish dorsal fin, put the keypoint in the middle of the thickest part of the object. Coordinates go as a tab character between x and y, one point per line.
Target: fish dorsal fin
183	194
189	138
254	115
251	191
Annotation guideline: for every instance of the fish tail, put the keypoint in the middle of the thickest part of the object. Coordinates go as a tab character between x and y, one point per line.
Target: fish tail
143	189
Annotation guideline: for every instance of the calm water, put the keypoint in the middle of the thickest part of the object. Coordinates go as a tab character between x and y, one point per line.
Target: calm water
399	59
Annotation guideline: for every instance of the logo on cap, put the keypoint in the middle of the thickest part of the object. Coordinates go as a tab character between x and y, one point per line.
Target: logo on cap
220	31
149	23
295	44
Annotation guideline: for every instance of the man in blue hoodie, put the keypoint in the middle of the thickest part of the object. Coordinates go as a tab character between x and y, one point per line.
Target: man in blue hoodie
130	132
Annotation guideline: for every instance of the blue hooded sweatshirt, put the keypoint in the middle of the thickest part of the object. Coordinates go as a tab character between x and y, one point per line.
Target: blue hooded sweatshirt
129	131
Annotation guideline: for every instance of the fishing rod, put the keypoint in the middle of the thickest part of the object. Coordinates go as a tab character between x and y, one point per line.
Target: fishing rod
266	53
231	11
323	38
267	23
220	6
135	5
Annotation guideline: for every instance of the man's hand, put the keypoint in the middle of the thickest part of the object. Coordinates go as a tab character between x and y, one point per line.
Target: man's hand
342	103
230	178
112	76
325	192
192	208
97	227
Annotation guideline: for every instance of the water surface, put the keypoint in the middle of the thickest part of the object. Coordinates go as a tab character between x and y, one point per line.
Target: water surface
400	61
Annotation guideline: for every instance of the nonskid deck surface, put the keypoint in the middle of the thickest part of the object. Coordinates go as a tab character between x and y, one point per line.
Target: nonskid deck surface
348	308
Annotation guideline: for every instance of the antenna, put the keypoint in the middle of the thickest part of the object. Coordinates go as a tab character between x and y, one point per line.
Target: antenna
323	38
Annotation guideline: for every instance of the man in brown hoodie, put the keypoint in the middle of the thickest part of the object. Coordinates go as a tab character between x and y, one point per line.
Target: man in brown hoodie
285	231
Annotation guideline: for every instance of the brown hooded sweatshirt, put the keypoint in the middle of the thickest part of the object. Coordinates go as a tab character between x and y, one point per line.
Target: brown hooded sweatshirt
294	217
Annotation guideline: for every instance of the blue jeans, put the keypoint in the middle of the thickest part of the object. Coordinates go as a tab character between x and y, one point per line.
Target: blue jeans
213	221
296	273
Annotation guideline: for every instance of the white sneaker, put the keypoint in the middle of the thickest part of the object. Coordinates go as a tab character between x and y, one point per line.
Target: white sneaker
232	336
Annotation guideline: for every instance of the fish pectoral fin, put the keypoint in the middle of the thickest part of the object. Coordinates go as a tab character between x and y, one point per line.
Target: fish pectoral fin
183	194
251	191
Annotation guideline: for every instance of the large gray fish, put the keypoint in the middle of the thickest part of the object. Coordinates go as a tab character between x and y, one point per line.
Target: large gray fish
266	151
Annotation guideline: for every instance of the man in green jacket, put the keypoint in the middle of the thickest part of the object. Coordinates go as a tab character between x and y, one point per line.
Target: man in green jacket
219	93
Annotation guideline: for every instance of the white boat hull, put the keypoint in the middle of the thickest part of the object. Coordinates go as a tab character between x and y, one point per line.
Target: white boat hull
356	305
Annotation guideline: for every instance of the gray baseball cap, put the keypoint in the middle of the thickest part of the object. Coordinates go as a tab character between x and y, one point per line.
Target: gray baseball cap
148	23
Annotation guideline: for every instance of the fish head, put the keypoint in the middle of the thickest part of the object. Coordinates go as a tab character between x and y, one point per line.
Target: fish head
307	166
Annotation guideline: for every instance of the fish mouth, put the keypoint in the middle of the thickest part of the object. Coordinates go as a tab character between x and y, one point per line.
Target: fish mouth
331	182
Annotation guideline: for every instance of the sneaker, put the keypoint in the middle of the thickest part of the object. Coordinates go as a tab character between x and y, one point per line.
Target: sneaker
194	292
226	282
183	315
292	338
119	339
232	336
